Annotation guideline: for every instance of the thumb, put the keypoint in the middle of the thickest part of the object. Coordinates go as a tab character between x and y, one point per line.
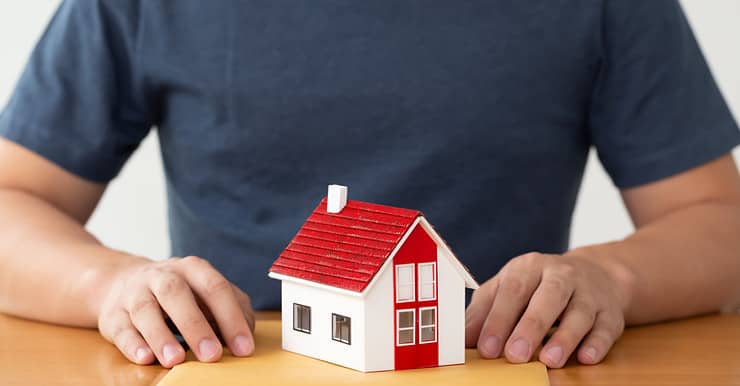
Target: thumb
477	311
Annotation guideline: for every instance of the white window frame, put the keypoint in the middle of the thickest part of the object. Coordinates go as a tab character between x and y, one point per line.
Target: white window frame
433	282
413	283
412	328
435	324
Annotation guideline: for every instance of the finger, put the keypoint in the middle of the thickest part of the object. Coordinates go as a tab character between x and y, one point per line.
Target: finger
515	289
118	329
245	303
177	300
576	322
548	302
147	317
477	311
219	296
607	329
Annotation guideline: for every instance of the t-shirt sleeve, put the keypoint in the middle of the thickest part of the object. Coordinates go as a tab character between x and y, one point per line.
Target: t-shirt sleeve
78	102
656	110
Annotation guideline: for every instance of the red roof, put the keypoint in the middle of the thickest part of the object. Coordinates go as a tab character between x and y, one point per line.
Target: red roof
345	249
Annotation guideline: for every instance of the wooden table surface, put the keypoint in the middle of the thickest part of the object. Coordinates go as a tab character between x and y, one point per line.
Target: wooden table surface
699	351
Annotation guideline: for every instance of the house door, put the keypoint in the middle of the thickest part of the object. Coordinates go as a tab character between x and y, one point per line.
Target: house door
415	302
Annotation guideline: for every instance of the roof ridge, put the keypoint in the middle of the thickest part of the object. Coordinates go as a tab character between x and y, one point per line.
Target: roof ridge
380	211
373	208
339	215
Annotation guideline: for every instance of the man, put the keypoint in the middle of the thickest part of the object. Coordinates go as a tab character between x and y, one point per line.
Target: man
479	113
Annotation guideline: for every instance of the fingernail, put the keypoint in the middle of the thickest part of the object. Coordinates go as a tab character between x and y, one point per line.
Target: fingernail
242	346
208	349
170	353
554	355
590	354
519	350
492	346
141	354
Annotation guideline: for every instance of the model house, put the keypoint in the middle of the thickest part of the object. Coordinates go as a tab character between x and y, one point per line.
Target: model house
372	288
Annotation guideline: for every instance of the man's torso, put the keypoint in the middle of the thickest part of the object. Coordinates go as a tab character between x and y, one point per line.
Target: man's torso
473	112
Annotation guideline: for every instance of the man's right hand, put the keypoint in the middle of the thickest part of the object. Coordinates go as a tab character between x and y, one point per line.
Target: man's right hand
188	291
131	299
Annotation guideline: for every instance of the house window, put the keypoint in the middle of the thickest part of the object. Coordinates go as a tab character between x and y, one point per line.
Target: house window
427	325
404	283
341	329
427	281
301	318
405	327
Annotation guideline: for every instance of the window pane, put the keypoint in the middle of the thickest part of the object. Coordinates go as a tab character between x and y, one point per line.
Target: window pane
405	292
427	281
301	318
428	317
426	272
405	274
305	318
296	317
427	334
341	330
404	283
337	327
406	336
405	319
345	331
427	291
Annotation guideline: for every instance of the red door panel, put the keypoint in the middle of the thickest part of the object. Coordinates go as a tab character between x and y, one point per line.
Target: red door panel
418	248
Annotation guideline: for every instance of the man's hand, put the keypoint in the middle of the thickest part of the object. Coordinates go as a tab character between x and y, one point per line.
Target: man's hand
189	292
512	313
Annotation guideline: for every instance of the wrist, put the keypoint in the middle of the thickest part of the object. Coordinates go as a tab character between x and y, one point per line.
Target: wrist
608	257
100	279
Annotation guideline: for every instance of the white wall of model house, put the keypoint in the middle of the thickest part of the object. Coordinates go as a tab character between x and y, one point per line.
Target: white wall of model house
451	312
319	343
379	331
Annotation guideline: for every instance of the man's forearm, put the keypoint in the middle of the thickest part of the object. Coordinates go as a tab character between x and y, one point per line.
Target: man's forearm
685	263
51	269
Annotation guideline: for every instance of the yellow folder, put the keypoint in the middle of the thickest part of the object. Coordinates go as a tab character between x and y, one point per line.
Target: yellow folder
270	365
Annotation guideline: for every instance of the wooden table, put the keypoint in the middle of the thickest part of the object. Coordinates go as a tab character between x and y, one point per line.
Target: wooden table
699	351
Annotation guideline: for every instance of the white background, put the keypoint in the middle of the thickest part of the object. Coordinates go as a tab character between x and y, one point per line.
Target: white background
132	215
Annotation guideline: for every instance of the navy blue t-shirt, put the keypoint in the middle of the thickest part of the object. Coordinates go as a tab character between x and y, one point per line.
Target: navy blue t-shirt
479	113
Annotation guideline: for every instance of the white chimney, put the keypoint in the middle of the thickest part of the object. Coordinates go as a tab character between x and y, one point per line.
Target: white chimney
336	198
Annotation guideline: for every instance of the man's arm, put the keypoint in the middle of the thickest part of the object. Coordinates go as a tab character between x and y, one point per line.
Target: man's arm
683	259
43	209
685	254
51	269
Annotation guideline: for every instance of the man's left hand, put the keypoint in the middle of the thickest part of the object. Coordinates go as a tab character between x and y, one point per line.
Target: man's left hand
513	312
